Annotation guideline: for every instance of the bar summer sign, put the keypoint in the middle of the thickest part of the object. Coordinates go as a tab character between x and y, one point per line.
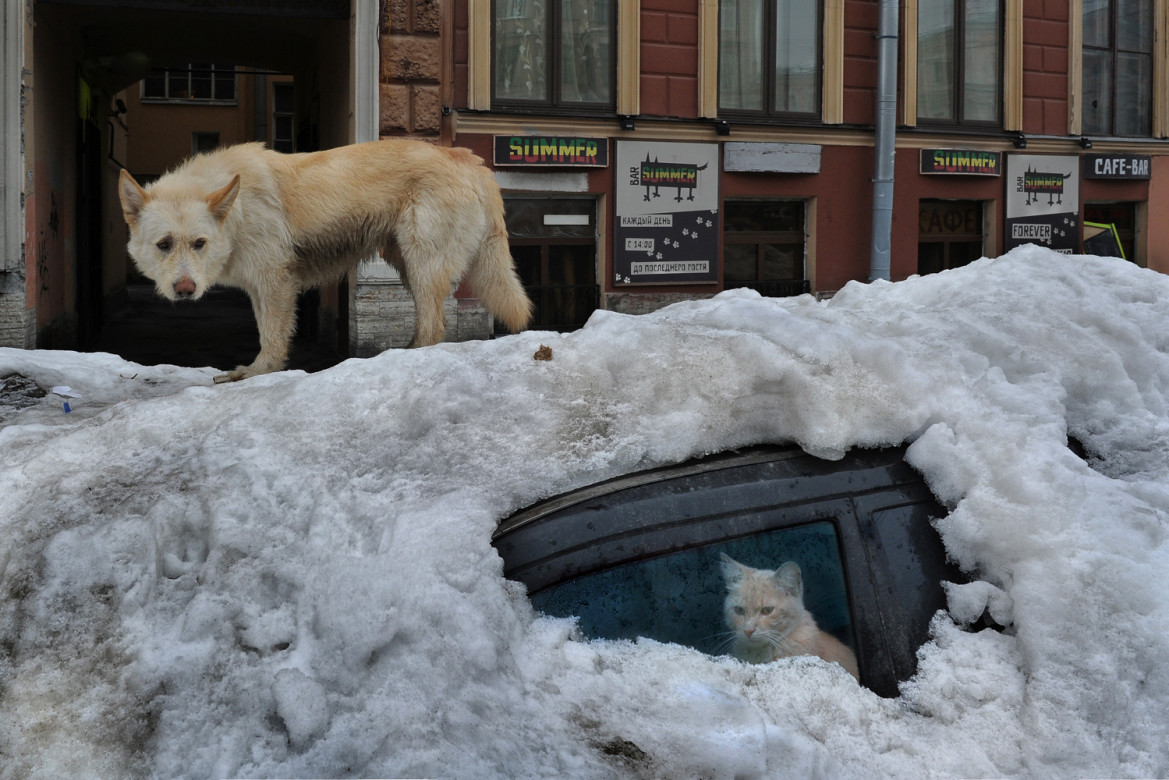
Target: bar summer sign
552	151
667	224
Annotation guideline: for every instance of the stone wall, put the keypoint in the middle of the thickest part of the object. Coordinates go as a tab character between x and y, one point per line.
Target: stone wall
411	68
384	318
644	303
17	322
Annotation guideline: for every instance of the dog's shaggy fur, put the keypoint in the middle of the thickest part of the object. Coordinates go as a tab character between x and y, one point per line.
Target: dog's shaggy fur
274	224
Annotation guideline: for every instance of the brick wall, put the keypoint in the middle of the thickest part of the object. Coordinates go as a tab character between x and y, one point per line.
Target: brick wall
669	58
1045	67
860	60
411	57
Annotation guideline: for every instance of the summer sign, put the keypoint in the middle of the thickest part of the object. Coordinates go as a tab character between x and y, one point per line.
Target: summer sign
667	224
552	151
1043	197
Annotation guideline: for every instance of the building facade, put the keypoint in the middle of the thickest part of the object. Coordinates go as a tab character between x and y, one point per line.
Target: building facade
649	151
667	149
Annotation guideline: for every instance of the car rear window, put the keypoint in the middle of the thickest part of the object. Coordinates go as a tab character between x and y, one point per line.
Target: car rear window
679	598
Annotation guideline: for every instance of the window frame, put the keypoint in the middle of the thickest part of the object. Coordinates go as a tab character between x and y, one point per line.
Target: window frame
881	509
957	118
1129	233
555	103
949	239
1160	68
1114	52
770	53
545	287
282	89
762	238
166	74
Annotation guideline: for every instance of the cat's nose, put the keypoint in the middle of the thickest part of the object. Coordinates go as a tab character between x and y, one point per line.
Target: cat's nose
748	631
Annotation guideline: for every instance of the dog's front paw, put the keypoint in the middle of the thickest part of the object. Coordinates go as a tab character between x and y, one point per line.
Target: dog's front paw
240	372
236	374
255	369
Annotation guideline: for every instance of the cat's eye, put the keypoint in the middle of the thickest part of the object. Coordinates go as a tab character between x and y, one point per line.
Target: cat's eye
740	611
766	610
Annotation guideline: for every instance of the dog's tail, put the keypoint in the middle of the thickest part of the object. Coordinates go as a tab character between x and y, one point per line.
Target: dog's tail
493	275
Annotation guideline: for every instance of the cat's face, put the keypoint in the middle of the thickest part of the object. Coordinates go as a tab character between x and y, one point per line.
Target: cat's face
762	607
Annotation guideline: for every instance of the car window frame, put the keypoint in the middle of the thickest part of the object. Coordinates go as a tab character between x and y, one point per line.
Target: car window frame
870	481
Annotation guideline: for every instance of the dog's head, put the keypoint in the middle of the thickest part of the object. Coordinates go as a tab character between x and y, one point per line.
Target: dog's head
177	233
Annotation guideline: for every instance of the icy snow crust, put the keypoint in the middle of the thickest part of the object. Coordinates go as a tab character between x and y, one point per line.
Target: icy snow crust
292	576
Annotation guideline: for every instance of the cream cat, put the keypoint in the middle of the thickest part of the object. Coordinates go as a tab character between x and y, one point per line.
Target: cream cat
765	612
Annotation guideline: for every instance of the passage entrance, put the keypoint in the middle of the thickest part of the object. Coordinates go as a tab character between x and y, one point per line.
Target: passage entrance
554	245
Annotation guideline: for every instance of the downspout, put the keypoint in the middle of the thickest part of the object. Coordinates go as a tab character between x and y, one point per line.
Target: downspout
884	141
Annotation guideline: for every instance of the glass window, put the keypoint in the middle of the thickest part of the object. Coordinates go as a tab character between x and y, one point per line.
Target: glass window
554	245
283	139
204	142
959	61
763	246
769	57
196	82
679	598
1122	217
950	234
1117	67
554	53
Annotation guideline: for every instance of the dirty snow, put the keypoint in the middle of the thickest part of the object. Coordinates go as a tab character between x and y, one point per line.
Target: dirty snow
292	576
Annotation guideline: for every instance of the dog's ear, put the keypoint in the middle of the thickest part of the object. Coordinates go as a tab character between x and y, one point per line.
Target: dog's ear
220	201
134	198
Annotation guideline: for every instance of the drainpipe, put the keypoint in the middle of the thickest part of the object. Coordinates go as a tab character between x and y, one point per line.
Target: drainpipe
884	141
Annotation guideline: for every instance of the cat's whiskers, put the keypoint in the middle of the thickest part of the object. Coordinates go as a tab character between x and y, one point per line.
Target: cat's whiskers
724	642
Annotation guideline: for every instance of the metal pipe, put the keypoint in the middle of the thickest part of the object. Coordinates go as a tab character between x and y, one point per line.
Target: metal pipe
884	141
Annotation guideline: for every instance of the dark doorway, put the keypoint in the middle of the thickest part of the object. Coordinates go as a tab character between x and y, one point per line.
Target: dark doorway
89	219
554	245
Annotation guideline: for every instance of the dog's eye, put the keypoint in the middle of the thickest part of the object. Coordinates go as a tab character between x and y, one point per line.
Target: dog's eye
198	244
165	245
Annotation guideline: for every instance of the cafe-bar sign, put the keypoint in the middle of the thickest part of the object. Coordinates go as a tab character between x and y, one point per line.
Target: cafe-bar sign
1117	166
552	151
966	162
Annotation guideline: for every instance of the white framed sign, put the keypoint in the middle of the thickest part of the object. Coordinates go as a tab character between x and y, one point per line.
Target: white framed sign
1043	202
667	222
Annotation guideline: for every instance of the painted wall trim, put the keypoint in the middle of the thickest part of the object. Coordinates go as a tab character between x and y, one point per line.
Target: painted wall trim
14	319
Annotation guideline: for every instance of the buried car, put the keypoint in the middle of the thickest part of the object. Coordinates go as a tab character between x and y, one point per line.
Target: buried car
293	575
639	555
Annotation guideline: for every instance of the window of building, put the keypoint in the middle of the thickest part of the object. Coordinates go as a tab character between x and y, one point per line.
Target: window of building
950	234
554	53
282	118
959	62
1118	67
769	57
554	245
204	142
196	83
1122	216
764	246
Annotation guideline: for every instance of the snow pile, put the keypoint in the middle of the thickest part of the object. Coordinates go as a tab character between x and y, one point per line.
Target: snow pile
292	576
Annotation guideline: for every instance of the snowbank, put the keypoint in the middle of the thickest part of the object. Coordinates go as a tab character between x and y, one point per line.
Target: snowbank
292	576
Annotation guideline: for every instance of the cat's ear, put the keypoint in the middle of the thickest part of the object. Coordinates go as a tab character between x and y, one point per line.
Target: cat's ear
732	569
790	578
